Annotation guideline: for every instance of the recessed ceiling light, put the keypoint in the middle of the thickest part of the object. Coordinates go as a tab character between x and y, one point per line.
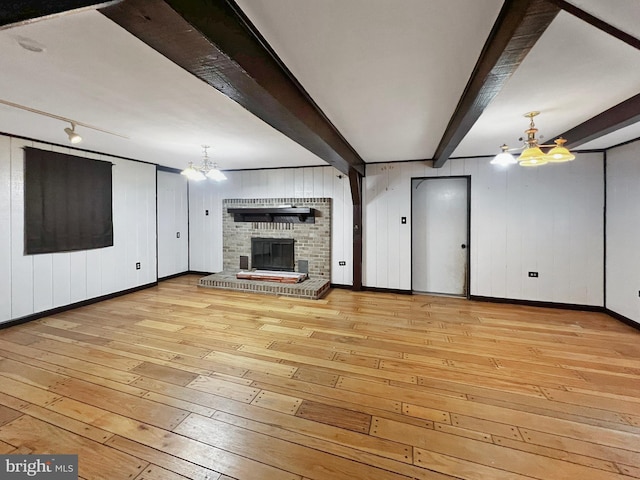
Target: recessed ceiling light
30	44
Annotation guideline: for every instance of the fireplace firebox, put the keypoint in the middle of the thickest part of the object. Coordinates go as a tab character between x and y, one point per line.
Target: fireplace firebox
272	254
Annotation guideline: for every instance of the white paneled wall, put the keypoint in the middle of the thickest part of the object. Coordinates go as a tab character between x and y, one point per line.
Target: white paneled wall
205	236
5	228
34	283
623	230
547	219
173	218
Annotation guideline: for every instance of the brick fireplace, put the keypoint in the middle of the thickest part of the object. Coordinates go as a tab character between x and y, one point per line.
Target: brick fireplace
312	241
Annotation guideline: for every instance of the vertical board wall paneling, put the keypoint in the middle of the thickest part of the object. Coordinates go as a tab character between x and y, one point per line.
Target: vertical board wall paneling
519	220
370	187
5	232
514	261
148	225
623	231
134	218
497	244
197	222
470	167
591	184
44	275
38	283
173	251
309	182
481	202
337	187
397	190
22	270
93	260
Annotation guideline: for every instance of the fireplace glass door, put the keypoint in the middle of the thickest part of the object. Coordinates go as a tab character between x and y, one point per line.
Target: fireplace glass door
272	254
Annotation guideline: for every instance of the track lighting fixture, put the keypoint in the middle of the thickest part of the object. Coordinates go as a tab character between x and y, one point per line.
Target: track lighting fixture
71	132
532	155
207	170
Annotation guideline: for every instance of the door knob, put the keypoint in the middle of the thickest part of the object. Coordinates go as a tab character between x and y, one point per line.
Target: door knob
463	246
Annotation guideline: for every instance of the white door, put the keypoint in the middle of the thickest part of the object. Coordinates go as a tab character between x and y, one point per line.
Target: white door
173	224
439	233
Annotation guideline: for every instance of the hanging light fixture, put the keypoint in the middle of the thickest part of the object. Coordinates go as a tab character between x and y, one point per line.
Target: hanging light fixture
207	169
532	155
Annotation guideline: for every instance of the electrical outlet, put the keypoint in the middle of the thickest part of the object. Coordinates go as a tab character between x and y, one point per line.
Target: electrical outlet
206	212
533	274
138	266
177	234
342	263
403	220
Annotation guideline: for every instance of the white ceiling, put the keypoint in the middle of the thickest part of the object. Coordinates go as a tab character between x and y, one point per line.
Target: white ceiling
387	74
94	72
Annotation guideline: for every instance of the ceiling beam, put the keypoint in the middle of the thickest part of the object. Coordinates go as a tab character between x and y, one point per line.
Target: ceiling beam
622	115
214	41
598	23
20	12
518	27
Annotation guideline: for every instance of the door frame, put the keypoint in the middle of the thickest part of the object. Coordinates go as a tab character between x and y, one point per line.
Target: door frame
468	177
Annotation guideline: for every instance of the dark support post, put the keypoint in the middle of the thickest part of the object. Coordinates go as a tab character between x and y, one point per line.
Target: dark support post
355	180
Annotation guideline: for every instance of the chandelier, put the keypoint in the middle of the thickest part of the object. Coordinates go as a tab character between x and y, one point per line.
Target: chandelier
532	154
207	169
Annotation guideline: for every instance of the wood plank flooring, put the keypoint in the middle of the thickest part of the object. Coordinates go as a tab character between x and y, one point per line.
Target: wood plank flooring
177	382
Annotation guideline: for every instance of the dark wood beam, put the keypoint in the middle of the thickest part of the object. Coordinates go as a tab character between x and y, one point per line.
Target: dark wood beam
598	23
215	42
622	115
355	180
18	12
518	26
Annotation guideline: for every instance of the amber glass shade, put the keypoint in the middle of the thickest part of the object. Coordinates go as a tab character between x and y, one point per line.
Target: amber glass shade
532	157
560	153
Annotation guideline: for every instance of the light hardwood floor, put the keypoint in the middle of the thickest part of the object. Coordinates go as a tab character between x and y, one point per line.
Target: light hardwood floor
178	382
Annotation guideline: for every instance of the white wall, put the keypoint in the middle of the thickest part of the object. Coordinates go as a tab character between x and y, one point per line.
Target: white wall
36	283
623	230
173	218
547	219
205	237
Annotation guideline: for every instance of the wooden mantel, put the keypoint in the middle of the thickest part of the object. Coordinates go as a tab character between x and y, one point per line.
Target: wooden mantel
274	214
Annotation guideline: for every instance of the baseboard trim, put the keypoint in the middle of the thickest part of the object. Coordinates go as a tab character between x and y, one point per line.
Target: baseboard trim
623	319
373	289
194	272
396	291
175	275
537	303
54	311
